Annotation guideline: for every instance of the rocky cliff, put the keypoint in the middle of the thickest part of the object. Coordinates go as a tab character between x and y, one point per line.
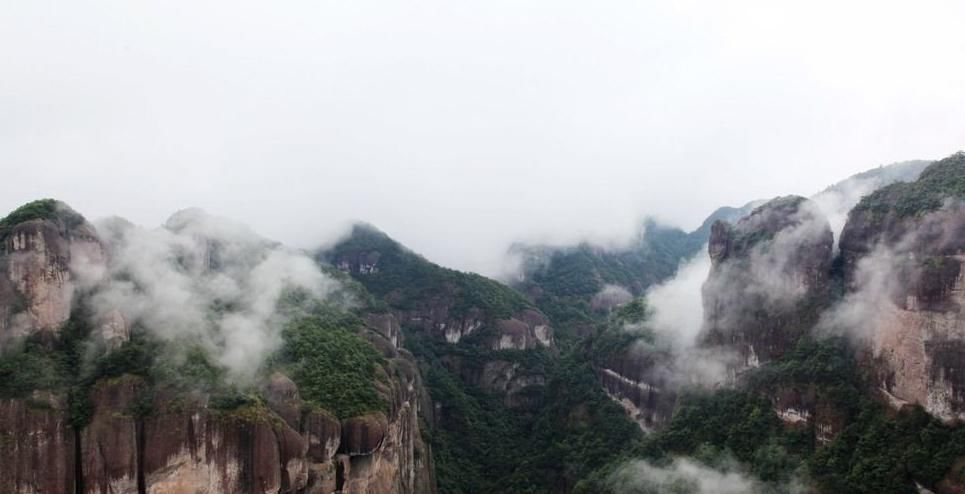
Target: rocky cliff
769	279
902	250
80	416
140	439
39	244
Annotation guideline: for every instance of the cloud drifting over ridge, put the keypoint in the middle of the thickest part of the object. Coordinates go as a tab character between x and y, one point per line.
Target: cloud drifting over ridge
202	280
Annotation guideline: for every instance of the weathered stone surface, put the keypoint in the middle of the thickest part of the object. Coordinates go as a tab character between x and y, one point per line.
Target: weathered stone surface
188	448
324	434
769	279
387	325
109	446
282	397
364	434
634	381
40	259
804	408
906	270
36	446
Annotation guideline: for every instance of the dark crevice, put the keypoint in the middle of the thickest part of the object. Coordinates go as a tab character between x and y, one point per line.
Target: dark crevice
139	442
78	463
339	475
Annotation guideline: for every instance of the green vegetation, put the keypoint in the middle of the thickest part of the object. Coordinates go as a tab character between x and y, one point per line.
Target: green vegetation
875	452
28	368
566	279
480	445
405	280
332	365
39	209
941	180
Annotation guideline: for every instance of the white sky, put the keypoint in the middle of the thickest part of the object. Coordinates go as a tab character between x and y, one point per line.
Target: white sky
460	126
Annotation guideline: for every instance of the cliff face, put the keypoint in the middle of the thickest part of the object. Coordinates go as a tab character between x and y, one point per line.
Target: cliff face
37	446
636	380
768	281
129	434
36	259
903	250
183	445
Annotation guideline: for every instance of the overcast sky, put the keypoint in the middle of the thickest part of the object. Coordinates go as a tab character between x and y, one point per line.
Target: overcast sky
460	126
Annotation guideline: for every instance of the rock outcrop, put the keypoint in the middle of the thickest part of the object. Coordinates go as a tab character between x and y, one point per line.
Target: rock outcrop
768	281
805	407
903	249
526	329
36	446
129	434
636	379
44	246
181	444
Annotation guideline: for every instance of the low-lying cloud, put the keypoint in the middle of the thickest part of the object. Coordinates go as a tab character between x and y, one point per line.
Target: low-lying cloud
201	280
687	476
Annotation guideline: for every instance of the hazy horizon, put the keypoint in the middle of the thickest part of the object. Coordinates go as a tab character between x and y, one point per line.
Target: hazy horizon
459	129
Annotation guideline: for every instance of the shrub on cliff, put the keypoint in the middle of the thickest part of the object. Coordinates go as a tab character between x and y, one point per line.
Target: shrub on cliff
332	365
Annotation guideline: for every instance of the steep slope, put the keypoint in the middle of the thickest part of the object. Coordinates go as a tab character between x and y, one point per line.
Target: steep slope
577	285
441	302
196	394
38	243
902	250
806	402
507	418
769	279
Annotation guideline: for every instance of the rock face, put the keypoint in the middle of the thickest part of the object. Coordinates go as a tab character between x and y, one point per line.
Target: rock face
525	330
804	407
768	281
635	381
36	260
183	446
903	249
36	445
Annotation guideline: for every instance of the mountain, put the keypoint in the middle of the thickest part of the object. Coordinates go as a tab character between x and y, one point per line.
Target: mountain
505	398
202	357
193	358
572	284
825	361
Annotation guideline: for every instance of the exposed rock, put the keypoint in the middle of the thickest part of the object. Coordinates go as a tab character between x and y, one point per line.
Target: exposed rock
363	435
324	434
769	279
387	325
521	390
525	330
904	269
633	380
113	329
36	446
37	261
282	397
805	408
109	445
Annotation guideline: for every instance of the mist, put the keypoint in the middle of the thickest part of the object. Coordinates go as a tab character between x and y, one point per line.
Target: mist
200	280
688	476
887	276
459	128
